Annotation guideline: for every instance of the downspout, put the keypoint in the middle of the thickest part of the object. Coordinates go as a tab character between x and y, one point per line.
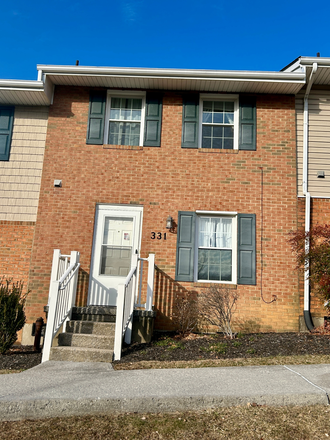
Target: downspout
307	314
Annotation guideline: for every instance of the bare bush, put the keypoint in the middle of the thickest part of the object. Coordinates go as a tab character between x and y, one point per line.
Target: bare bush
217	306
185	312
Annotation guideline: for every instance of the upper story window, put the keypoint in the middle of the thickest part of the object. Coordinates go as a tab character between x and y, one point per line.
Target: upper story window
124	119
219	122
119	117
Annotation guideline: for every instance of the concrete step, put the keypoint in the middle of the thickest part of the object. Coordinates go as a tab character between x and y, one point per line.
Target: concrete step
77	354
86	341
91	328
94	313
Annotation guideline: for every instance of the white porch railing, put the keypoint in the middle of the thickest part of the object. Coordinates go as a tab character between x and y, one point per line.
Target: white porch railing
125	301
62	295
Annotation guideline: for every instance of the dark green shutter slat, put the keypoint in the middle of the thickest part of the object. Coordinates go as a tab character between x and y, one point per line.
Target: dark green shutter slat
184	270
153	120
246	252
6	129
96	114
190	119
247	123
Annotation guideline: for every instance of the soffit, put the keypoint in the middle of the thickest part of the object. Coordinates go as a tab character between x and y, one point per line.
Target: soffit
321	76
23	93
184	80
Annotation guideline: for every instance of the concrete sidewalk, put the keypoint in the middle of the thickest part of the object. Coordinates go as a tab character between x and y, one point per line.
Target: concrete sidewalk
69	388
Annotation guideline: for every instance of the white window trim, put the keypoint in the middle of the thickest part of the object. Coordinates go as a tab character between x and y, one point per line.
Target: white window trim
124	94
217	97
233	215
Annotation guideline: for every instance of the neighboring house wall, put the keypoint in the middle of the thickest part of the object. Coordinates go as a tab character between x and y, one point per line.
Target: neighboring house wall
20	179
318	160
318	143
167	180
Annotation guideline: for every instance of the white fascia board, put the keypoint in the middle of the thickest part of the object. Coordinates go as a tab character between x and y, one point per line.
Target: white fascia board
289	77
308	61
8	84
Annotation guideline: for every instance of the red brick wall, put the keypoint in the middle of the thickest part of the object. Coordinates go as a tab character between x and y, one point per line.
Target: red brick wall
16	240
320	214
167	180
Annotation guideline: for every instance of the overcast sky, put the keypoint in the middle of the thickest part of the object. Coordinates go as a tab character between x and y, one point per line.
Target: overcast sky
224	35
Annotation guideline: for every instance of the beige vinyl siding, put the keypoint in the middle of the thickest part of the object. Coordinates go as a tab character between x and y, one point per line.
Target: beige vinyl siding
319	142
20	176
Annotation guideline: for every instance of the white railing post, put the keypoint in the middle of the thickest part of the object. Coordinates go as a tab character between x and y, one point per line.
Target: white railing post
74	259
128	334
119	322
150	286
53	292
54	272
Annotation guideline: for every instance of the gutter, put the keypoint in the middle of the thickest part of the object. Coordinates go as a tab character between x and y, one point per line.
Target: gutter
307	314
295	77
9	84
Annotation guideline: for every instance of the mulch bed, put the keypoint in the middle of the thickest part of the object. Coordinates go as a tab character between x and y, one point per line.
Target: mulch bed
170	347
19	358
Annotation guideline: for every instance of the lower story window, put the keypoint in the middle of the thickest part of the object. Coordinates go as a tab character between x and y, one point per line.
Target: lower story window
216	246
215	254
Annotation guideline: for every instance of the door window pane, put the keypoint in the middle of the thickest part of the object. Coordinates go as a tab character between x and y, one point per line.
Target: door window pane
116	249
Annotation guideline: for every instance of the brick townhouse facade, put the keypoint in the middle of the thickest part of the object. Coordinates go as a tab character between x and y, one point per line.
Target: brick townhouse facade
215	151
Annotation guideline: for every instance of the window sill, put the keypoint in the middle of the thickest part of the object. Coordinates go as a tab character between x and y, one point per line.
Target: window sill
122	147
206	284
214	151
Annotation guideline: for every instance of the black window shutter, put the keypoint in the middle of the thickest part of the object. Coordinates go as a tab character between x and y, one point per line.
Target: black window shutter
190	120
247	123
184	270
6	130
246	249
153	120
96	114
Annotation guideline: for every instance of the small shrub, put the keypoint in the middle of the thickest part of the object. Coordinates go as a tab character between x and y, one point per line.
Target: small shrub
185	313
164	342
237	344
220	347
315	257
12	315
217	305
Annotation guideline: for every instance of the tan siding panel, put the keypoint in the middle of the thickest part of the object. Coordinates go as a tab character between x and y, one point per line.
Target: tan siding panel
20	177
319	141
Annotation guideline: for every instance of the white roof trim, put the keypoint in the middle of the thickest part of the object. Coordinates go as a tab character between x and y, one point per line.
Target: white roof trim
174	73
21	84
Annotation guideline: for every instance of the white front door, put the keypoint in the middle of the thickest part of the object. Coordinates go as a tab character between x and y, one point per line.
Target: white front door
117	237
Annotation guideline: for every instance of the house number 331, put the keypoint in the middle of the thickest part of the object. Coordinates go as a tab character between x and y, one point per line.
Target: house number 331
158	235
